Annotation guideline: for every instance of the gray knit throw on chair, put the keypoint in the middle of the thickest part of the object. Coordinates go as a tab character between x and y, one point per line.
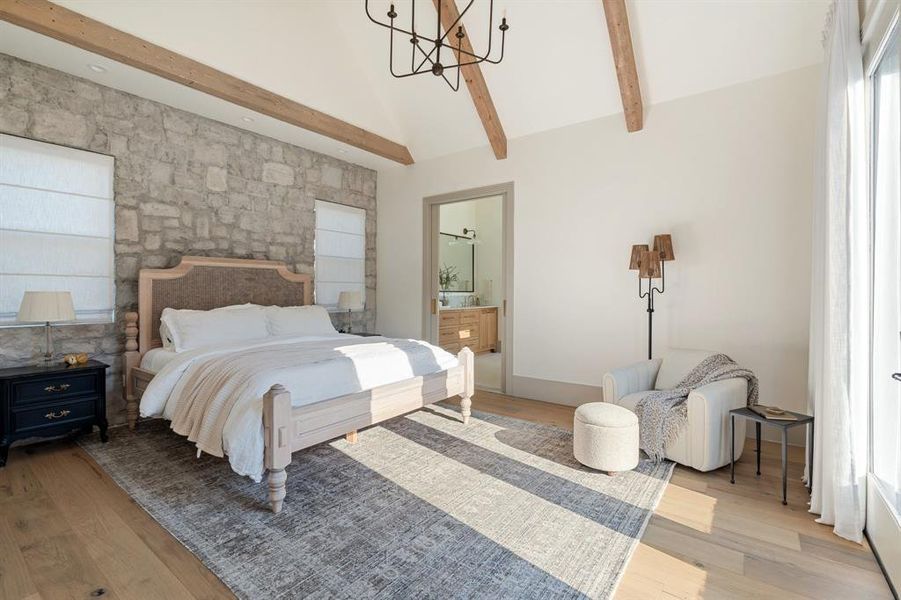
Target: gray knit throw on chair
663	414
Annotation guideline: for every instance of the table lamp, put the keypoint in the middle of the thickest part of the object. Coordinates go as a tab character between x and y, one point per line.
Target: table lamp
350	301
46	308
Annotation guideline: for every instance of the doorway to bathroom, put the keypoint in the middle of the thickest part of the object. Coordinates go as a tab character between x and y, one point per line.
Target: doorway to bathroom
467	279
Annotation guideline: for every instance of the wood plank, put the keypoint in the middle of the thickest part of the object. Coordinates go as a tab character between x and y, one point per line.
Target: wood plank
171	553
60	569
15	581
173	557
53	554
130	566
70	27
475	82
624	58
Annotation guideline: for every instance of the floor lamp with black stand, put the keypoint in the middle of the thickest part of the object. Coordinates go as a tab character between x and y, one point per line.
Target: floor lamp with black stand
650	265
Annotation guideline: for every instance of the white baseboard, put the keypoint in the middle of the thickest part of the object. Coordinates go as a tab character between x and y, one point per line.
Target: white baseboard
556	392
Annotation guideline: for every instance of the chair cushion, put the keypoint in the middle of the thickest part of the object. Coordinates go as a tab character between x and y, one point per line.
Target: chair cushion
630	401
604	414
677	363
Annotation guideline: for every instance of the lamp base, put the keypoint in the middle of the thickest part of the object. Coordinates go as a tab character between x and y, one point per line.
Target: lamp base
48	355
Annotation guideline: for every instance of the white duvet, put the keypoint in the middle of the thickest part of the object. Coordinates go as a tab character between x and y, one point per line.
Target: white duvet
349	364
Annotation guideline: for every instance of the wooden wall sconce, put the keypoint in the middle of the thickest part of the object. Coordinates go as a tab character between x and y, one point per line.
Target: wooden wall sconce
650	265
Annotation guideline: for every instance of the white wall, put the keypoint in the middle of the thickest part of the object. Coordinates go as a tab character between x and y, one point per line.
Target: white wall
490	252
728	173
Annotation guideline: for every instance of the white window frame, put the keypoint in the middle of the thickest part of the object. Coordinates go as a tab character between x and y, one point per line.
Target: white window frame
7	320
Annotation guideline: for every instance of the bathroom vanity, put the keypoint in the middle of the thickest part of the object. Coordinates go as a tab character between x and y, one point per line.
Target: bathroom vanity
472	326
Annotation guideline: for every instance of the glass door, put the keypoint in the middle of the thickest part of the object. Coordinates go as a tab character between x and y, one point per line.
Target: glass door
884	482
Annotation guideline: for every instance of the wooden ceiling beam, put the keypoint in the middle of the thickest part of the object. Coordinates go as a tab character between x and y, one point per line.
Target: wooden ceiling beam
475	82
624	59
72	28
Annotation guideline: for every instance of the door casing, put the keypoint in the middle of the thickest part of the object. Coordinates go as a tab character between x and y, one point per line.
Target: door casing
430	221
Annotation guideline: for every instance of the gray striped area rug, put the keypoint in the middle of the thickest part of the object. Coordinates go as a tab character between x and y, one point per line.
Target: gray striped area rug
420	507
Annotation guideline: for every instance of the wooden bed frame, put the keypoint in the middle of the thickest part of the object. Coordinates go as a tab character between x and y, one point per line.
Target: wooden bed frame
205	283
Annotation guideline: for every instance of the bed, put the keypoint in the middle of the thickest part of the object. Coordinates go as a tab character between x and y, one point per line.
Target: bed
256	400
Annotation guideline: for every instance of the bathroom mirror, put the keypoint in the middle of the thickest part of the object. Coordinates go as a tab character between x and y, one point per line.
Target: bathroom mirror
456	263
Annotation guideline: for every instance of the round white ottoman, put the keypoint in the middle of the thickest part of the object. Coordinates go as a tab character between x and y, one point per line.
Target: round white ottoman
605	437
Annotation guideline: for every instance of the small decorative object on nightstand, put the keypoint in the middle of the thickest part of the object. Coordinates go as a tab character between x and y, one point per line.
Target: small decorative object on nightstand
50	400
784	420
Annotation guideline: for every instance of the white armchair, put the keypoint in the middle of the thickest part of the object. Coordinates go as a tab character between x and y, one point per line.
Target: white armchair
704	444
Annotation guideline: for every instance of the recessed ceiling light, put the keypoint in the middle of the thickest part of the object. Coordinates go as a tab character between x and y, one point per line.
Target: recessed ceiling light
97	68
247	119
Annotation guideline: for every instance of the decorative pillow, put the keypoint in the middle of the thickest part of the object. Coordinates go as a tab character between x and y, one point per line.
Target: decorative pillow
299	320
188	329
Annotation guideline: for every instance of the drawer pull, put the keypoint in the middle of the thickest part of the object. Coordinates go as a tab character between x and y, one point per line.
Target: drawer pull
59	415
57	388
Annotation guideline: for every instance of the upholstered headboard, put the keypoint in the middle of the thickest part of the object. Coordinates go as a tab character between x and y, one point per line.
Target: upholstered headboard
202	283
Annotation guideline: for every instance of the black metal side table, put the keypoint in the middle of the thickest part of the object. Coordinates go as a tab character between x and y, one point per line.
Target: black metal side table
784	426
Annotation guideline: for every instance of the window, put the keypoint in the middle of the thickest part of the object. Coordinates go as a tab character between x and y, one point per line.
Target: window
340	252
56	226
885	403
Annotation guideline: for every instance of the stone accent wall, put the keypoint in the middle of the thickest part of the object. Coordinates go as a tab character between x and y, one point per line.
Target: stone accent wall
184	184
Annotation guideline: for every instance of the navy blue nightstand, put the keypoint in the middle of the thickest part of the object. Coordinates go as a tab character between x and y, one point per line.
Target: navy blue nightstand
51	400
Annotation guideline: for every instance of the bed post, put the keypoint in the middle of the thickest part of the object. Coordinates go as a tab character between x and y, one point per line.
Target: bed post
131	359
467	359
277	436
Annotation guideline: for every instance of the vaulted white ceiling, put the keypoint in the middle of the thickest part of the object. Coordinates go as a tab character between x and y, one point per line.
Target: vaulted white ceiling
558	68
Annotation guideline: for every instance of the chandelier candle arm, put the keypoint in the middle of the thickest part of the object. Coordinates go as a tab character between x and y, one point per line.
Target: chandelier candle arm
431	60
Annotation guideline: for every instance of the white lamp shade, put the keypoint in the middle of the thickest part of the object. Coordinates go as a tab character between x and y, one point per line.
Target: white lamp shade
350	301
43	307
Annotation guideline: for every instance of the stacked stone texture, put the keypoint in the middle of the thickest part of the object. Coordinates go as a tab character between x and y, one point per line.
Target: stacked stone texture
184	185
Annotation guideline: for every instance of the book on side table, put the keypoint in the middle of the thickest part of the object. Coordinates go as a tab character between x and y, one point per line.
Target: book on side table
773	413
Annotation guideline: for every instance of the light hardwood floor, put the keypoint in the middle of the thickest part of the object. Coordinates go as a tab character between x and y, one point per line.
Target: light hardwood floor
67	530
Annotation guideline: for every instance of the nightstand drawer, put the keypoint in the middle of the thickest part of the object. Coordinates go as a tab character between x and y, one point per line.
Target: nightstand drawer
55	414
49	389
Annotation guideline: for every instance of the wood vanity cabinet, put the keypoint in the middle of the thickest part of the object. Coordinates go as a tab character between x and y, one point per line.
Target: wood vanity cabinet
474	327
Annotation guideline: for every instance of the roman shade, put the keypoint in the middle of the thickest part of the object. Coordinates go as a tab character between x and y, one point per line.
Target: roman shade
56	226
340	252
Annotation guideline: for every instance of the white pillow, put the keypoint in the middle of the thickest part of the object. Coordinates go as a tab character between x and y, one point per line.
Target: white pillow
165	335
189	329
299	320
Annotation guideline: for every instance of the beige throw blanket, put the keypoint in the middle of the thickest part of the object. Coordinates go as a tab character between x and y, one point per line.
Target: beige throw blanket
211	388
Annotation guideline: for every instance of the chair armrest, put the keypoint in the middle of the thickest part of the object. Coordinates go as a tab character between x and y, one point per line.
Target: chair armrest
708	423
722	395
628	380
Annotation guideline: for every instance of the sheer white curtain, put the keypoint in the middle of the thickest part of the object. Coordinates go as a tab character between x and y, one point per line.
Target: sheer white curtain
839	328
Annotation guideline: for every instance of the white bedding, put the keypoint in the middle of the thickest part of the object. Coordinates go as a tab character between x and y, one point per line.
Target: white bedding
350	364
156	359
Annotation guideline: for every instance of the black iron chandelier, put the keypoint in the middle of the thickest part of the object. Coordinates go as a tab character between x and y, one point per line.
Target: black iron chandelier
428	59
